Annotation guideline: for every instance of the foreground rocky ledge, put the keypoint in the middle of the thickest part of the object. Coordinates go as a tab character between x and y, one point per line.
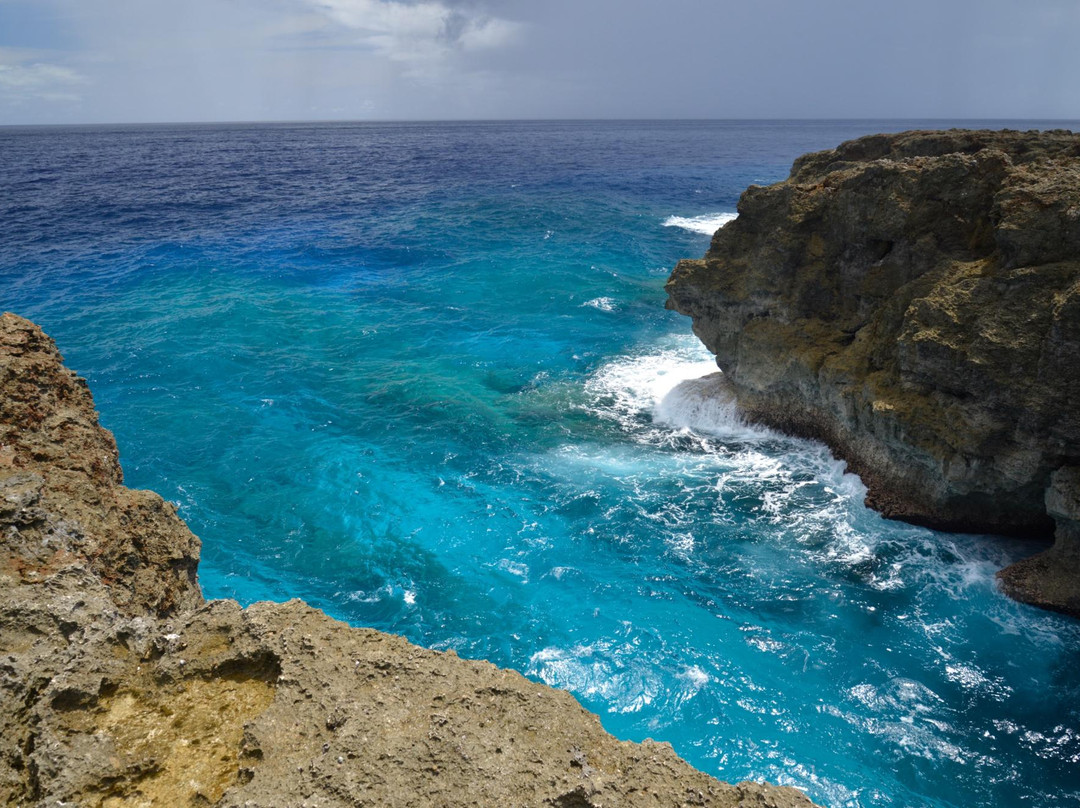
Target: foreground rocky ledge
120	685
913	301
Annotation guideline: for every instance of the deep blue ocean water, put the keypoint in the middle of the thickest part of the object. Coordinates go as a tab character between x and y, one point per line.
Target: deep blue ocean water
421	376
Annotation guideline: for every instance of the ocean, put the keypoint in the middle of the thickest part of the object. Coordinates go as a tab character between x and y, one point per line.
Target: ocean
421	376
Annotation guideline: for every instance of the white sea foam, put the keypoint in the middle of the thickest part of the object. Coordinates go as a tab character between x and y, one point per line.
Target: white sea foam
678	386
675	392
708	223
696	677
681	543
515	568
703	404
672	397
632	385
558	573
601	303
608	670
966	675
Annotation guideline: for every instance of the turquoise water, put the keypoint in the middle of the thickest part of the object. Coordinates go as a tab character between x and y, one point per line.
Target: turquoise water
421	376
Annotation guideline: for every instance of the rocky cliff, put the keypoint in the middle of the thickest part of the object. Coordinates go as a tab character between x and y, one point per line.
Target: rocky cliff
120	685
913	300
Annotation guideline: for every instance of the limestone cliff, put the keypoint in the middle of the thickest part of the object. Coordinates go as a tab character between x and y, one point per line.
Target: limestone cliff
120	685
913	300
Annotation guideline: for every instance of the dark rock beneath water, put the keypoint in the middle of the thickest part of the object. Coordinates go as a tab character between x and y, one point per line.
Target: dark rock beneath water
120	685
913	300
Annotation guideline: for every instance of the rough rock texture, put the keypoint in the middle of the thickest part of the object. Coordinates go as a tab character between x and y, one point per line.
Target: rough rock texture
1052	579
120	686
62	501
913	300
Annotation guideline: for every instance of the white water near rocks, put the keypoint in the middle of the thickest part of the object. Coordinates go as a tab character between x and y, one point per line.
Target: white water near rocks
706	224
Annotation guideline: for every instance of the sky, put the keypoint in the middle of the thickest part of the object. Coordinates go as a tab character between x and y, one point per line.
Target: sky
130	61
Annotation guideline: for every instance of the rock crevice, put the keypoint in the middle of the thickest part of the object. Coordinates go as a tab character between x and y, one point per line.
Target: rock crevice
913	300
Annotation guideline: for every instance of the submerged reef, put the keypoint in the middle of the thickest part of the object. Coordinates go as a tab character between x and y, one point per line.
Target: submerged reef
121	685
913	300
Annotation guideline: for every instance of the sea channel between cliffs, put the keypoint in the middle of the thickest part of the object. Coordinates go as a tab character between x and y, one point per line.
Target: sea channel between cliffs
122	686
421	376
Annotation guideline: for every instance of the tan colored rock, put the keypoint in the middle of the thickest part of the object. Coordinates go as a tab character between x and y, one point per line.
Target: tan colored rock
913	300
120	686
61	491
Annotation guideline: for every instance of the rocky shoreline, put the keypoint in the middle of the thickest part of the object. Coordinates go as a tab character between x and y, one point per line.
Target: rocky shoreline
913	300
121	685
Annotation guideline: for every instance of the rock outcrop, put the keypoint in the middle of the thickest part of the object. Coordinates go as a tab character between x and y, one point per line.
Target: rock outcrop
120	685
913	301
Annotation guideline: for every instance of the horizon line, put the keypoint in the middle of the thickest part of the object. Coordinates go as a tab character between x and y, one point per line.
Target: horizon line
383	121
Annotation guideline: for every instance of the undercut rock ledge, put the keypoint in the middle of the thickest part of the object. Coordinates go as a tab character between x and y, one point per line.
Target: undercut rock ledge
121	686
913	301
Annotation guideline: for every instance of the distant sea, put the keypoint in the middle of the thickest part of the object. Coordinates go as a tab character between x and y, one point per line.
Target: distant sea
421	376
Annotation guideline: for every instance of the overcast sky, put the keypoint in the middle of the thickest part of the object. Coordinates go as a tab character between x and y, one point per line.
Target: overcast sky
237	60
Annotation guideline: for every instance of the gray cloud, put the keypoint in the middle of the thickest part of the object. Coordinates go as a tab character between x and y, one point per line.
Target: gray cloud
24	80
303	59
426	36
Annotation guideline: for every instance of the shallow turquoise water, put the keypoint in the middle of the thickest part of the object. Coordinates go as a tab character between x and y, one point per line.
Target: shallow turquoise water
421	376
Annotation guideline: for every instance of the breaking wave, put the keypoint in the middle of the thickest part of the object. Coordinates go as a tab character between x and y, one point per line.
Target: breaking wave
707	223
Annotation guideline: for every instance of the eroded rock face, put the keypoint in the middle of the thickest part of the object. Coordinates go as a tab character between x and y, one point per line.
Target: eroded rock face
120	686
62	501
913	300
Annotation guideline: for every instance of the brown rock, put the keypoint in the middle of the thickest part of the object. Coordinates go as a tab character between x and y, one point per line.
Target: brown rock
61	486
913	300
120	686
